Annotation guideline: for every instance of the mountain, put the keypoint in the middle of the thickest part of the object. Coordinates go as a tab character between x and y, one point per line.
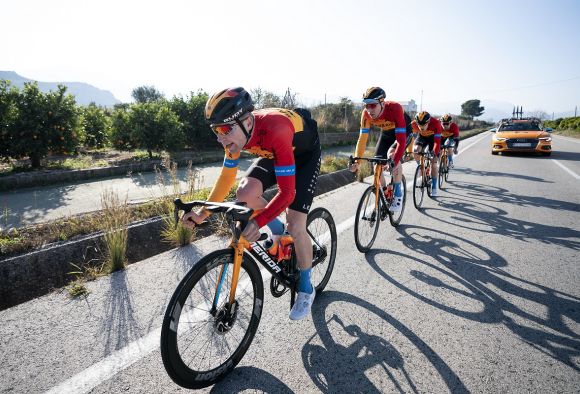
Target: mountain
83	92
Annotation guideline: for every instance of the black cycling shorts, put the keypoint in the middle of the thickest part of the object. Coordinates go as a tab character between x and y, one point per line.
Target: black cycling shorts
425	141
307	170
386	140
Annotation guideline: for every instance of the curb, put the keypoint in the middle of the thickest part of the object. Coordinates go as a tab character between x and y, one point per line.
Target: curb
34	274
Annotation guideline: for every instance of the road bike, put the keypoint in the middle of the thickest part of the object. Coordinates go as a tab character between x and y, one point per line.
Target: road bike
444	162
374	204
422	179
215	310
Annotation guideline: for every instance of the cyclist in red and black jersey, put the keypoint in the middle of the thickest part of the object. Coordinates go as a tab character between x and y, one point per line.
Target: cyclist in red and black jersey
449	133
289	149
389	117
428	131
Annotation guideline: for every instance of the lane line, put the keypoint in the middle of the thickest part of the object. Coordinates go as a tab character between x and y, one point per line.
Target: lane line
121	359
569	171
486	134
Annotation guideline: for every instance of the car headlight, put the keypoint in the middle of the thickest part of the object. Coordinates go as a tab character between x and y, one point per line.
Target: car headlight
500	139
547	139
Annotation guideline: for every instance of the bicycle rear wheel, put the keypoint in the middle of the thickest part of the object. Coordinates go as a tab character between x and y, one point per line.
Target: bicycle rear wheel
367	220
418	188
200	343
322	230
442	170
395	217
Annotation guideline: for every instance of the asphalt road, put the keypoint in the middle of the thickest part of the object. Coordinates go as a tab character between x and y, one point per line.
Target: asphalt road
42	204
479	292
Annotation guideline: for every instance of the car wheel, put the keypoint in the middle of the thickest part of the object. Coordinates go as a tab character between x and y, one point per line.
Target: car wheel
493	152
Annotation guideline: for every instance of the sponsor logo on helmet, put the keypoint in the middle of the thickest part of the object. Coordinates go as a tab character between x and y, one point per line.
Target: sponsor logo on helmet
234	116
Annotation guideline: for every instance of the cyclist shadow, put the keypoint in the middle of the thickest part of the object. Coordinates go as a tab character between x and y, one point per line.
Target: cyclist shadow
470	171
250	378
477	273
479	216
334	367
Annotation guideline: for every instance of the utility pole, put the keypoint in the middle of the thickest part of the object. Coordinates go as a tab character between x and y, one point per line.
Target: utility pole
575	110
421	109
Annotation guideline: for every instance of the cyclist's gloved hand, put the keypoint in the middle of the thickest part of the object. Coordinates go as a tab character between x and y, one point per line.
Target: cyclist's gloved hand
252	231
190	219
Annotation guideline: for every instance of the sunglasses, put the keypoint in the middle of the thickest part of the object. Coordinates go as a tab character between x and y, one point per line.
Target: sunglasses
371	105
223	129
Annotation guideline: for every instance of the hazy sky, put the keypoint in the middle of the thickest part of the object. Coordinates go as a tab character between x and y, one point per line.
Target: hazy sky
517	52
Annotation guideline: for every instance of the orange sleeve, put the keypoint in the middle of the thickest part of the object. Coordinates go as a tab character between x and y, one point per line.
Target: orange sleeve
227	177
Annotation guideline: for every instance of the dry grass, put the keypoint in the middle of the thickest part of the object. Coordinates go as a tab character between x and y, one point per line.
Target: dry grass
114	223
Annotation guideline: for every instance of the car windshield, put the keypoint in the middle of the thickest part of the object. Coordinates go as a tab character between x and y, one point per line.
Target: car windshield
523	126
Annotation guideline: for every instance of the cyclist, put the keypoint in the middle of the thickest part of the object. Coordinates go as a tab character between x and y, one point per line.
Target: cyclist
428	131
289	149
450	130
389	117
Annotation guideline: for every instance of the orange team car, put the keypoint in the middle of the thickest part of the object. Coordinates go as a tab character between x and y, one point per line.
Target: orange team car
524	135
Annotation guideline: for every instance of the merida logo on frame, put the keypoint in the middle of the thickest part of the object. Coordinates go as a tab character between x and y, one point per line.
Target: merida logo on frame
262	253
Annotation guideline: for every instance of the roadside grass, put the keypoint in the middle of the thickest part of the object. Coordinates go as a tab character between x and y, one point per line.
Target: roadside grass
574	133
115	221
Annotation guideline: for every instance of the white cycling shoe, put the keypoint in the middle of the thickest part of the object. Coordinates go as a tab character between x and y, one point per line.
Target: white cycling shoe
397	204
302	306
435	192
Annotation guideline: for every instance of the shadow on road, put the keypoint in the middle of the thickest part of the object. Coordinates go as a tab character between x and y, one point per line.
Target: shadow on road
250	378
334	367
472	271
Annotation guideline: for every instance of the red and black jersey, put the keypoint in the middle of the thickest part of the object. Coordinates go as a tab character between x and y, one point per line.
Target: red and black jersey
390	120
278	134
452	132
433	130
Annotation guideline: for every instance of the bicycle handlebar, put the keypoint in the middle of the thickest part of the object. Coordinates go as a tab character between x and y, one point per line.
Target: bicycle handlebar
376	160
235	211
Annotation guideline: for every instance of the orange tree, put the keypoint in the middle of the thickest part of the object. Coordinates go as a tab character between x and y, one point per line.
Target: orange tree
44	122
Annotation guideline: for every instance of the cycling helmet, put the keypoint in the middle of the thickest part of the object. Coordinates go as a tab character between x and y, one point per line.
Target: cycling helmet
422	118
228	105
374	95
446	118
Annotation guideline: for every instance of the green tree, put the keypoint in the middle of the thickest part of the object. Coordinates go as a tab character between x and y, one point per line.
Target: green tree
8	114
121	136
146	94
190	111
156	127
96	124
472	109
45	122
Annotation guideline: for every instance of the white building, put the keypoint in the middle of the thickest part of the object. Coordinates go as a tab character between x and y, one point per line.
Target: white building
410	106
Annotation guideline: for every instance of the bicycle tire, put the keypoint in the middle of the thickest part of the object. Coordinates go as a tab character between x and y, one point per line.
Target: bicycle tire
174	347
428	182
442	170
325	237
418	188
373	221
396	219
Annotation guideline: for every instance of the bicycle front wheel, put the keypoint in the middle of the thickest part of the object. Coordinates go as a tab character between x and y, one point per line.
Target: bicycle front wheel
418	188
322	231
367	220
395	217
203	337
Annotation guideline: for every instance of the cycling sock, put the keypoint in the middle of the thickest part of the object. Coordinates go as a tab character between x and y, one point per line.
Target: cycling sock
398	191
304	285
433	182
276	226
450	159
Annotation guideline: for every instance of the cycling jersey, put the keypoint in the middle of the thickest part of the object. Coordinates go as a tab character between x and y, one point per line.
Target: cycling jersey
452	132
279	134
433	130
391	120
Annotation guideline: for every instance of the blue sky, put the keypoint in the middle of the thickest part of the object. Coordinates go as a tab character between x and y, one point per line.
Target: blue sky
503	52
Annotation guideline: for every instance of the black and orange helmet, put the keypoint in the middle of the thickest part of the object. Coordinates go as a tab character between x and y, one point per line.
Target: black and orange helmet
422	118
447	118
374	95
228	105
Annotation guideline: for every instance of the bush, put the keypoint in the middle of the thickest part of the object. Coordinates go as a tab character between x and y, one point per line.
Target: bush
97	126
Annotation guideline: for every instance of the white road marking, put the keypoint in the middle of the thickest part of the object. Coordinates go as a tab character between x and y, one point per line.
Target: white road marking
121	359
569	171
